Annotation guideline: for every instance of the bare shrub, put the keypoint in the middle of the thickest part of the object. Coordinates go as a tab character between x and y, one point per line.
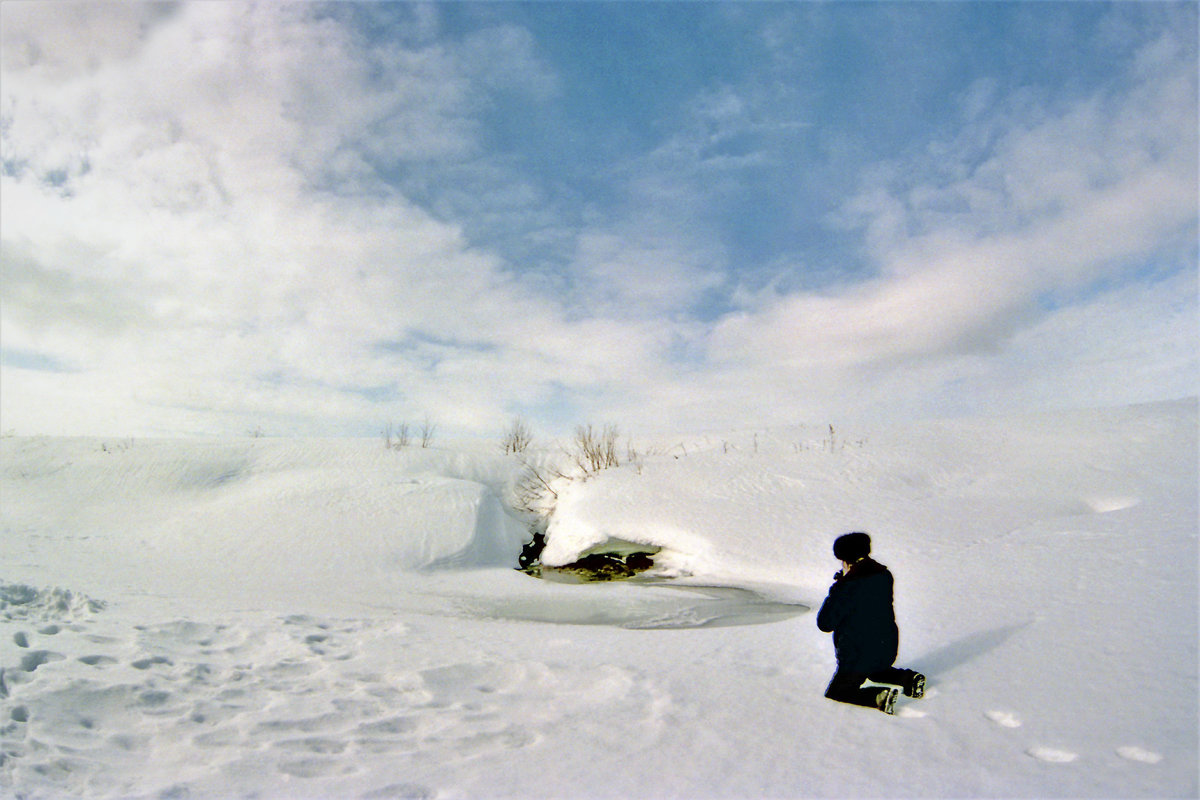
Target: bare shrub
396	437
427	429
594	450
534	492
517	438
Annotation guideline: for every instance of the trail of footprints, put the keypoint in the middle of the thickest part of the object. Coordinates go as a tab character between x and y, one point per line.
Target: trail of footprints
1049	755
287	698
1055	755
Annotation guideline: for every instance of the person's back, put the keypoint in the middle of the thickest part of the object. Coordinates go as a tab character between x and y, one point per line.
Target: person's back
859	614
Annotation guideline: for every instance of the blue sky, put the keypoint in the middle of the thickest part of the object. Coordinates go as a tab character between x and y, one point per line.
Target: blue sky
316	218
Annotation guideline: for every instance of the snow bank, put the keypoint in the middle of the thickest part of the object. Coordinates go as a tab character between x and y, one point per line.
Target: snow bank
764	506
257	516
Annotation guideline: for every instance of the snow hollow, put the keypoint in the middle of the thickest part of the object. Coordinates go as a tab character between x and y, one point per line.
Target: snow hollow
332	619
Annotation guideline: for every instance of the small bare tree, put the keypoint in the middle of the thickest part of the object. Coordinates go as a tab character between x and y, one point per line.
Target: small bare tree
594	450
427	429
517	438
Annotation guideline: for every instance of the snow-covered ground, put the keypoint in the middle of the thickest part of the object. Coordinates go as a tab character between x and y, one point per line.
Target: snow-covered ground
330	619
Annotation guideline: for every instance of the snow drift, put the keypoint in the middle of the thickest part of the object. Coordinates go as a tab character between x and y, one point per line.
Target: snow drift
260	517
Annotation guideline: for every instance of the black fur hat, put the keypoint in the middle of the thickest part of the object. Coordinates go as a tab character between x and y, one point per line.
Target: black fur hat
851	547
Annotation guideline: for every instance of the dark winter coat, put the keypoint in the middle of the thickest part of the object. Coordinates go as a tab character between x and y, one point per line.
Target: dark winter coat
859	614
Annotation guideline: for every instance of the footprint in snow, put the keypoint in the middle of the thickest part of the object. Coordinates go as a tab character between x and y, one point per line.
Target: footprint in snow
1048	755
315	768
152	661
1106	504
97	660
401	791
1052	755
1005	719
36	658
1140	754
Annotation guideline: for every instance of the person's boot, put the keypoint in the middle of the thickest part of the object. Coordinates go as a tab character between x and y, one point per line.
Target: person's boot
915	688
885	701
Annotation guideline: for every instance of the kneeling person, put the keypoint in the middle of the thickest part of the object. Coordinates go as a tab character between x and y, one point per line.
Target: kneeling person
858	612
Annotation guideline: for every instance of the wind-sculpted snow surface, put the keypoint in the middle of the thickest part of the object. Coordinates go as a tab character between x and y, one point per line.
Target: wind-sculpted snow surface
315	619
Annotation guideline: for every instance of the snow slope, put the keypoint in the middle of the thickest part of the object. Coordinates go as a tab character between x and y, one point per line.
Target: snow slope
292	619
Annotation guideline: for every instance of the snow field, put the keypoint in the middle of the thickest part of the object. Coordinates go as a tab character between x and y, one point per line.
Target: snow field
329	619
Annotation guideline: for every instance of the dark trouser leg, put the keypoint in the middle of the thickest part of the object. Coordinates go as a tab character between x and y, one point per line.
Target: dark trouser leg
904	678
847	687
891	676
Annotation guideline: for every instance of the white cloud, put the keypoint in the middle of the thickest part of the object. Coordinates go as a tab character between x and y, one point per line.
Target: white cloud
174	231
635	274
1060	201
61	40
1135	344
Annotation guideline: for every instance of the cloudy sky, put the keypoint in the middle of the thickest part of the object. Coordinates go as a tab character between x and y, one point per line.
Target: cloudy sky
314	219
